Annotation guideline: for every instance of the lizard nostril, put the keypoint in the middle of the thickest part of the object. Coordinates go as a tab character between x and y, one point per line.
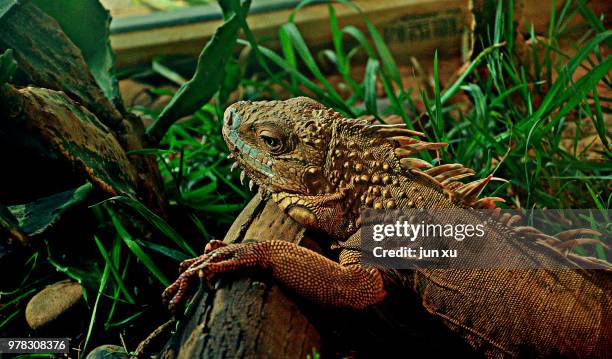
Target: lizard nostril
227	119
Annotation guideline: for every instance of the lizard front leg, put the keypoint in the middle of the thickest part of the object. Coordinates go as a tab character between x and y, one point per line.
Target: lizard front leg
307	273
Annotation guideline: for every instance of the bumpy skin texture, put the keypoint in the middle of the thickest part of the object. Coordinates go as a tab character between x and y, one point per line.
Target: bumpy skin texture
322	168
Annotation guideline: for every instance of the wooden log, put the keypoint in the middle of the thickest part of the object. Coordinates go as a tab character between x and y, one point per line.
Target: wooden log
247	317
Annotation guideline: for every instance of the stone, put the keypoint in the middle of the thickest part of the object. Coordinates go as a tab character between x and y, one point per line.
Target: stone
48	305
108	351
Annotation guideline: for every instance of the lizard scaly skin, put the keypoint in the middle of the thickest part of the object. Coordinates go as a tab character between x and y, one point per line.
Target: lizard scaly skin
322	169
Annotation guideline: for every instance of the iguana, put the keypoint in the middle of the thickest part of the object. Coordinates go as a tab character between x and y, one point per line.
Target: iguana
322	168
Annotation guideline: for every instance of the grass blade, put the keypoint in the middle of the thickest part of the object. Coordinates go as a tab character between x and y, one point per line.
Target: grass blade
289	54
135	248
370	86
94	311
156	221
438	124
163	250
576	94
302	49
388	63
114	272
456	86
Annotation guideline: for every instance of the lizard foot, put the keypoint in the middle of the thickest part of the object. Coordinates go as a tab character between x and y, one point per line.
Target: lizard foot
210	246
223	258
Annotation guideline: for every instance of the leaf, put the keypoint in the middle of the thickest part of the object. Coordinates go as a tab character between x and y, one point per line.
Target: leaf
220	208
200	194
76	16
594	22
35	218
7	66
10	233
6	6
51	60
49	122
8	222
230	82
231	7
168	73
206	79
78	268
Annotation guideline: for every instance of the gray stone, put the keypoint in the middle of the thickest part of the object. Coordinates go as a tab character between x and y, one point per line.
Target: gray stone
108	351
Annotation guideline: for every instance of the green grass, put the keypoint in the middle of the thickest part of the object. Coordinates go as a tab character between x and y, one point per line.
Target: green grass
517	114
501	116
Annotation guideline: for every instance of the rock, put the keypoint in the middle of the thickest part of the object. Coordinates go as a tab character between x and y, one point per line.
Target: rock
48	305
108	351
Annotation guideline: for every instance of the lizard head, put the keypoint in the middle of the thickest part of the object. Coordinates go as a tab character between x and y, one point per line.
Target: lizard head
283	146
321	168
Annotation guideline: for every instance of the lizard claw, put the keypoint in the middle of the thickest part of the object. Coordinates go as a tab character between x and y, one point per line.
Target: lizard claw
210	246
214	244
188	263
219	257
178	291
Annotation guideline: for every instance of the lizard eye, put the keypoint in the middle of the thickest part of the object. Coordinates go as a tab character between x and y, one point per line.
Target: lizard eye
269	139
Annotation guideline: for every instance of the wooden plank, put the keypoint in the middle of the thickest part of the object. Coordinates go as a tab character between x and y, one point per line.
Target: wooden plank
409	27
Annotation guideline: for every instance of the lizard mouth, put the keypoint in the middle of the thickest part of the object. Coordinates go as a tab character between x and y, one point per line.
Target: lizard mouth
255	164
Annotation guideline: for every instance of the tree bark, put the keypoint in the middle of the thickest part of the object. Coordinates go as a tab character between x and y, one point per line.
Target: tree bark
248	317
